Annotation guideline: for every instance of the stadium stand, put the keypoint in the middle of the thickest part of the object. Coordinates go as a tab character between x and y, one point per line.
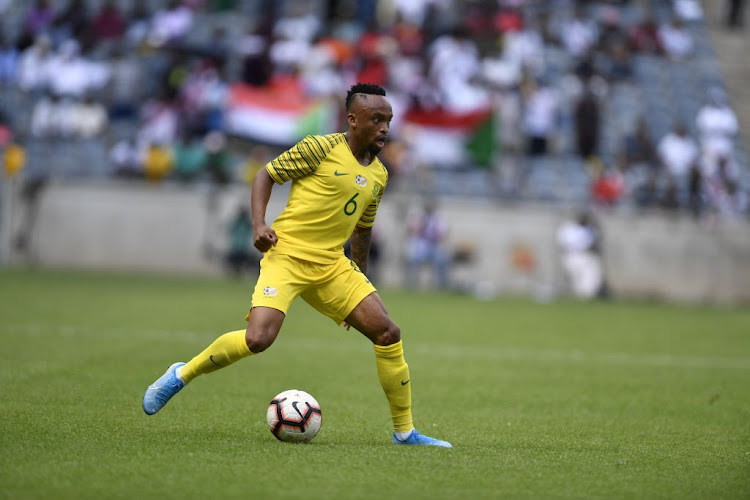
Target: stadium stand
471	81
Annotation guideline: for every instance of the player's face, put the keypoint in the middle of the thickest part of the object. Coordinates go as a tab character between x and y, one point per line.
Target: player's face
370	121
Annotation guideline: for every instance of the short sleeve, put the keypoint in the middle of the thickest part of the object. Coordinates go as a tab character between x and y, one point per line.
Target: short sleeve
368	216
302	159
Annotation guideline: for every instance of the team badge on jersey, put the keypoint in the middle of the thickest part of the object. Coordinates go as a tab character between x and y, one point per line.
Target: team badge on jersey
361	180
270	291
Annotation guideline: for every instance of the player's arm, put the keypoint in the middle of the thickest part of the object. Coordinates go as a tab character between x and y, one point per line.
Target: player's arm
360	246
263	236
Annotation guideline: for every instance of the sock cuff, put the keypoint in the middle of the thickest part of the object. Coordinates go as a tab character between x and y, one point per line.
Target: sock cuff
242	344
389	351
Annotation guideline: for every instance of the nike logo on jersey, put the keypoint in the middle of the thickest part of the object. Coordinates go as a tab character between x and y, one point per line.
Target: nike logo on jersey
404	382
338	174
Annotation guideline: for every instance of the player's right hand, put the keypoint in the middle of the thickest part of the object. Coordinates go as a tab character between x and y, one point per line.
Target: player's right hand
265	238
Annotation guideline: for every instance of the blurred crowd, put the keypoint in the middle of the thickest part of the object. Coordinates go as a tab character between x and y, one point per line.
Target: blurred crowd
150	84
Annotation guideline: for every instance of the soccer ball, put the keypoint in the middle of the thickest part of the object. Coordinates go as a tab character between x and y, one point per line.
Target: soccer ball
294	416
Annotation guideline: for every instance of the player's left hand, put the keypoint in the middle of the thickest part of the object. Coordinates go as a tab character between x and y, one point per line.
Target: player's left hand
347	326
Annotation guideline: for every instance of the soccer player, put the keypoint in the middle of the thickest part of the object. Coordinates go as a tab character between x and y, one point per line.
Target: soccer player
337	184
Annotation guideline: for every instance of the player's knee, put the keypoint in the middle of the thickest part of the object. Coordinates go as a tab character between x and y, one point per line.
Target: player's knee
259	341
390	335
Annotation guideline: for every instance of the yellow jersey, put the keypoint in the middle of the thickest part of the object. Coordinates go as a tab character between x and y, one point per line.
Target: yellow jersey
331	193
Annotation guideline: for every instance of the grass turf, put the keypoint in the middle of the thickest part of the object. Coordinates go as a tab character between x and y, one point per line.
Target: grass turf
564	400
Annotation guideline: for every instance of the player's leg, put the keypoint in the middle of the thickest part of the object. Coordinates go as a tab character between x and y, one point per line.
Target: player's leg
371	319
262	328
264	323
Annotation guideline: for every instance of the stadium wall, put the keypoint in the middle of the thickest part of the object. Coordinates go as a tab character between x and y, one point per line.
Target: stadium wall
173	229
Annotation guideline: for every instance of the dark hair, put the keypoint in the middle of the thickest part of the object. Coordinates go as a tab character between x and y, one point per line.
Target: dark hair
363	88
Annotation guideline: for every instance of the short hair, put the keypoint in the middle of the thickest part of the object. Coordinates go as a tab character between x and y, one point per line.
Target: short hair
363	88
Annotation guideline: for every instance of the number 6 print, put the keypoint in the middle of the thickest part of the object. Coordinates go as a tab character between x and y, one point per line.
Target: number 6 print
352	203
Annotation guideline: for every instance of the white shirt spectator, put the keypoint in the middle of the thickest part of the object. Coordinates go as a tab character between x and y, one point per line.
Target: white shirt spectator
170	24
454	63
579	35
582	266
300	27
717	126
160	125
688	10
525	48
290	53
71	75
34	66
414	11
454	57
541	112
88	119
574	237
677	42
678	153
125	157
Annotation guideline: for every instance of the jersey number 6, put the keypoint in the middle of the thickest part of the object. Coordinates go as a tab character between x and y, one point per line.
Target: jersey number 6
351	205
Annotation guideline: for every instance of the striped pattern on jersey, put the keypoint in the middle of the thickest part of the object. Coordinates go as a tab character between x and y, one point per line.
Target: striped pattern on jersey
303	159
368	216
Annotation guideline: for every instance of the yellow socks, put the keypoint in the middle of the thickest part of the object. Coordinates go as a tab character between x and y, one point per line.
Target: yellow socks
393	373
224	351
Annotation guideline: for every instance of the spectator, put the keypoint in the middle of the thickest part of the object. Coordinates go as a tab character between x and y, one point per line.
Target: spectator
427	235
735	14
88	118
217	159
257	68
608	187
717	126
9	59
49	118
688	10
138	22
695	191
454	63
619	67
676	40
14	159
125	159
299	24
587	124
190	158
579	34
157	162
170	24
71	22
39	18
34	66
644	37
579	245
109	23
72	75
540	116
124	88
159	123
678	152
640	151
240	254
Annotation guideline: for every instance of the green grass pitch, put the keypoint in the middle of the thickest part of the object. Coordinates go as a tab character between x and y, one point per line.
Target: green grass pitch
563	400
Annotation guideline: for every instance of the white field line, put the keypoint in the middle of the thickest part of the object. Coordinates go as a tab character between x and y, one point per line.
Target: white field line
429	349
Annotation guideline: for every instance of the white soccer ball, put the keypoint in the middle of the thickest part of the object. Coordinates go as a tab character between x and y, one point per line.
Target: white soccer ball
294	416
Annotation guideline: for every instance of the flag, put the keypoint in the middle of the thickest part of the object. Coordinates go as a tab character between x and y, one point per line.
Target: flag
277	116
446	139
